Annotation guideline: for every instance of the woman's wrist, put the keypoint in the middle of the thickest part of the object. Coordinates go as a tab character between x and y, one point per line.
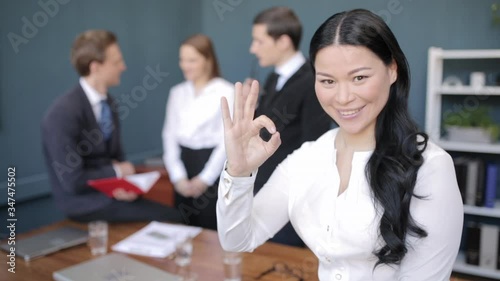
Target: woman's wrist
235	173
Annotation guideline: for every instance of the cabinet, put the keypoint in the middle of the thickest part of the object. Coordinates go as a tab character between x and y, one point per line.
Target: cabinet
436	92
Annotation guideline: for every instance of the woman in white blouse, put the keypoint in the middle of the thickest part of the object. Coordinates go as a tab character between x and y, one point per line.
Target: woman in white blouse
193	132
374	199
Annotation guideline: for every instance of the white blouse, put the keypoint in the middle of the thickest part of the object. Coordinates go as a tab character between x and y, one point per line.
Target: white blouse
342	230
195	121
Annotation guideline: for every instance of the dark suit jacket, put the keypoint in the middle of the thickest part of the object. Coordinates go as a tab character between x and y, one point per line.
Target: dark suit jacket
75	151
297	114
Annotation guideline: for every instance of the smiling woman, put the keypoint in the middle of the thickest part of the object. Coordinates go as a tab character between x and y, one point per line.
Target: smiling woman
193	133
369	102
352	83
374	199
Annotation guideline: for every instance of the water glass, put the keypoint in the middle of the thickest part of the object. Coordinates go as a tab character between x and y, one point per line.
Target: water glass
232	266
98	237
183	251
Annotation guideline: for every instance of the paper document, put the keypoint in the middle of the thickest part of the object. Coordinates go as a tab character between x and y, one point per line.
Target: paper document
157	239
138	183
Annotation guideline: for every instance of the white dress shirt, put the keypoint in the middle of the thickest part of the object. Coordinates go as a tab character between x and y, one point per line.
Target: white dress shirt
95	99
195	121
286	70
342	230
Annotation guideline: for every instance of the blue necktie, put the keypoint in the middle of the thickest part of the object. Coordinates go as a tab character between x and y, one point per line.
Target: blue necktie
106	122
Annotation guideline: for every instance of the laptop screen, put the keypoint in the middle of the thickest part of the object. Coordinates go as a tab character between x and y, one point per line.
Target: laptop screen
48	242
113	267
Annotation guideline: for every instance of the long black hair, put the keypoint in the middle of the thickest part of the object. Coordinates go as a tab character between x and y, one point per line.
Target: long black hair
393	166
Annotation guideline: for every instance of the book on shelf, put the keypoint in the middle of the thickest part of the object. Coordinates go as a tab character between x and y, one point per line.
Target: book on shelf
480	183
477	180
490	191
473	234
471	188
468	172
461	173
482	245
498	252
137	183
488	250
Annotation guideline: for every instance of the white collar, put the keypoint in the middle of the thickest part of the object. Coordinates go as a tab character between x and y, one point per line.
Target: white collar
287	69
211	83
93	96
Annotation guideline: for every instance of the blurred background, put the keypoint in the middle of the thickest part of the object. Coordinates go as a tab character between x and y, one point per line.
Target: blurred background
36	36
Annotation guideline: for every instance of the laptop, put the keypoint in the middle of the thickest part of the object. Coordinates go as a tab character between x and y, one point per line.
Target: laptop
48	242
113	267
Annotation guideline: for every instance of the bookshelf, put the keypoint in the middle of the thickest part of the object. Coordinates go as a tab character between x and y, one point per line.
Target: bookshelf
469	147
483	211
462	267
467	90
436	91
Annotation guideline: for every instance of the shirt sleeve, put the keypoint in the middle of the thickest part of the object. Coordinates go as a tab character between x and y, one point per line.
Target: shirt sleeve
117	170
171	148
244	223
440	213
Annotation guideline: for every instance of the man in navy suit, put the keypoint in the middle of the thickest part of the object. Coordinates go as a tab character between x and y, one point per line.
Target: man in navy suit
81	139
288	96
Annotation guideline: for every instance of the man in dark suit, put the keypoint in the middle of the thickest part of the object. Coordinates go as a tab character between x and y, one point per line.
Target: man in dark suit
288	96
81	139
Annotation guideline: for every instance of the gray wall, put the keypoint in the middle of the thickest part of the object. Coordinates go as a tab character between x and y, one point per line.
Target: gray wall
149	33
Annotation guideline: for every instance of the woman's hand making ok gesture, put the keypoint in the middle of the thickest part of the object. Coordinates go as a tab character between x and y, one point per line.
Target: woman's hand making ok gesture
245	149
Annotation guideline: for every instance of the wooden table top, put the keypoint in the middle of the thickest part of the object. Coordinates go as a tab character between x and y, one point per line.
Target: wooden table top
206	260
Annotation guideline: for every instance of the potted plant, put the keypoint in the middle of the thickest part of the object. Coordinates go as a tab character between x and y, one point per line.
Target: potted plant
472	126
495	13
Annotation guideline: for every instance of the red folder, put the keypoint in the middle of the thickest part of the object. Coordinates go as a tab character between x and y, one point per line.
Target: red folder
138	183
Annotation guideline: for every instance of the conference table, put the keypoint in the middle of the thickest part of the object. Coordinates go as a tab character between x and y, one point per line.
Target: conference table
206	259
